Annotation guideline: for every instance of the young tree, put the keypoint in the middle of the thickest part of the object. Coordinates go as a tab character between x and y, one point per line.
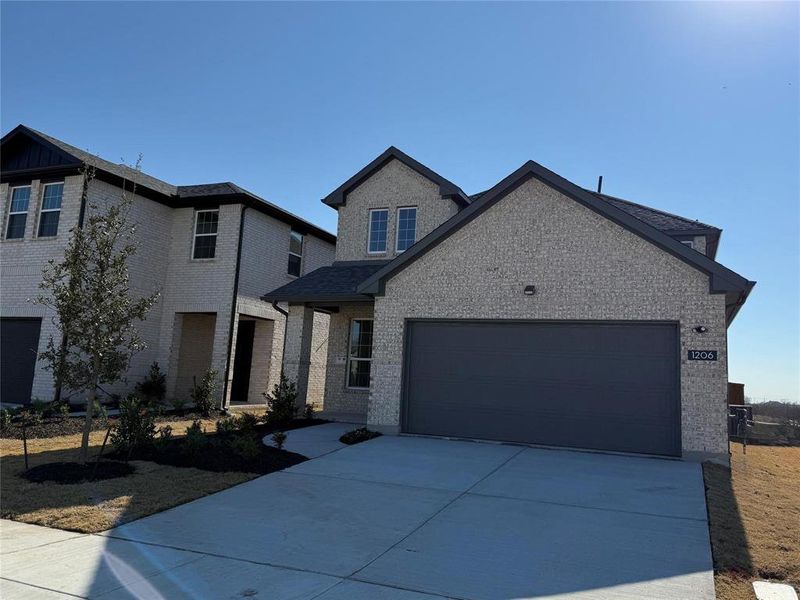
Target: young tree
89	291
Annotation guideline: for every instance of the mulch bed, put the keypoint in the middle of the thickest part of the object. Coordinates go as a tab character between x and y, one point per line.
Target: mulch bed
58	426
72	472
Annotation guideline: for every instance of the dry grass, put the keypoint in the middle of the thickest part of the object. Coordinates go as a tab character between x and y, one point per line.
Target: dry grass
754	513
95	506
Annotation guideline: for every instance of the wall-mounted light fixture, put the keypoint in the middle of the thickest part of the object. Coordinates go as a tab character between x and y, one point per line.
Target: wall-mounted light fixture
701	329
530	290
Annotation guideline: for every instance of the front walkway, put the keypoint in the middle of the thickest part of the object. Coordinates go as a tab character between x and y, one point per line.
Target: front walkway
403	519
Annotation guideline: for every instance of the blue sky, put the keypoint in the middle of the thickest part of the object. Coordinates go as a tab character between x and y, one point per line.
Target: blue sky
688	107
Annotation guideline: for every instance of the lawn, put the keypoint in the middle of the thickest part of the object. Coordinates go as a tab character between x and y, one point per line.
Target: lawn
95	506
754	514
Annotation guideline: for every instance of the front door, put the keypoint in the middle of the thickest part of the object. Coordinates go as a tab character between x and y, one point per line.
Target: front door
242	361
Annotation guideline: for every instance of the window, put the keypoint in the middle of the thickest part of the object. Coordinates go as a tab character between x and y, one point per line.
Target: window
51	209
295	253
206	223
359	357
18	213
406	228
689	243
378	226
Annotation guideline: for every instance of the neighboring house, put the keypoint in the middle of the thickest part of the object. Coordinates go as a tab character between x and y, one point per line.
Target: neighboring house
535	312
208	248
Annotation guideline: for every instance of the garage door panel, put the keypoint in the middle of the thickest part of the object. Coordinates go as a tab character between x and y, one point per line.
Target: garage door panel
606	386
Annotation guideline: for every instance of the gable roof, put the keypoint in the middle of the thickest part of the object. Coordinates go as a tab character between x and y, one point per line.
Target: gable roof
336	283
447	189
722	279
60	158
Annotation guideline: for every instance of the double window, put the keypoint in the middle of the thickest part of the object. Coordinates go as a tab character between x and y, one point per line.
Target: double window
51	209
295	253
378	230
359	355
406	228
206	223
18	213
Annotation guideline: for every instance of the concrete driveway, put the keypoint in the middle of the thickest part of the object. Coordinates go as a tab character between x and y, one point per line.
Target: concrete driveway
408	519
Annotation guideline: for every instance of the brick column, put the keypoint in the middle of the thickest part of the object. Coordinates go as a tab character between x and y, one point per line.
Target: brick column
297	349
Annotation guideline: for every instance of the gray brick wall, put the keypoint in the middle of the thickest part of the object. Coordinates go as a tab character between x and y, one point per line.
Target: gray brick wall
584	267
339	399
395	185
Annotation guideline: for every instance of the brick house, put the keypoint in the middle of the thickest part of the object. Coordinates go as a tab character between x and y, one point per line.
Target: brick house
535	312
210	249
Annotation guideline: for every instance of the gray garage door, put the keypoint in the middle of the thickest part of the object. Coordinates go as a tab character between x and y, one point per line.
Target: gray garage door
19	342
605	386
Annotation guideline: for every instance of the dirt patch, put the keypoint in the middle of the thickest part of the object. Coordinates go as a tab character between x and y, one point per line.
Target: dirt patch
73	472
754	518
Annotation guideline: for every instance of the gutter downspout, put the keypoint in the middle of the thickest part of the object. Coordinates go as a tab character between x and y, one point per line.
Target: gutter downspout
225	403
285	314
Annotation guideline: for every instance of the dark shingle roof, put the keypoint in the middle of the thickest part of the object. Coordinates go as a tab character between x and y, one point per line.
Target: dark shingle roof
664	221
120	170
337	282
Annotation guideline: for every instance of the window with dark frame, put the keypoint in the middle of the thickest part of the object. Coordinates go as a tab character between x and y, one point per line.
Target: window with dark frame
378	228
406	228
18	212
51	209
359	356
206	224
295	253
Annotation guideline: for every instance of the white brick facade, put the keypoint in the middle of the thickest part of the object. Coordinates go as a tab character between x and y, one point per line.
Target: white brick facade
197	296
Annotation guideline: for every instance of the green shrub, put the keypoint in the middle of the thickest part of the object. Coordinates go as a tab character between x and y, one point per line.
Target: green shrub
63	410
308	411
246	446
247	421
39	407
178	404
362	434
5	419
165	434
30	419
135	426
203	394
195	439
281	407
279	439
153	388
227	426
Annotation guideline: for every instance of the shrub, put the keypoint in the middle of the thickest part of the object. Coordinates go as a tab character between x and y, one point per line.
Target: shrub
246	446
165	433
362	434
227	426
281	407
308	411
153	388
30	419
279	439
178	404
63	410
135	427
5	419
247	421
203	394
39	407
195	439
100	412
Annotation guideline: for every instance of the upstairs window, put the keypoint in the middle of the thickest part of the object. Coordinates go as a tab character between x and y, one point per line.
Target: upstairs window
406	228
51	209
295	253
359	357
18	212
378	227
206	223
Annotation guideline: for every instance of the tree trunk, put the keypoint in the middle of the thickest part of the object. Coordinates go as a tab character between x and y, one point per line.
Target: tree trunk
87	423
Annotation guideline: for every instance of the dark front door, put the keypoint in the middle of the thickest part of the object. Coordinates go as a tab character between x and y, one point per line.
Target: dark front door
242	361
606	386
19	344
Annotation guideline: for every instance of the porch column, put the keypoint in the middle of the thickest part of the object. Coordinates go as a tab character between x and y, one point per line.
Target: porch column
297	349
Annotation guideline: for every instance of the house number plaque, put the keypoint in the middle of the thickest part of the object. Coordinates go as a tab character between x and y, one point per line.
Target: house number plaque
702	355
